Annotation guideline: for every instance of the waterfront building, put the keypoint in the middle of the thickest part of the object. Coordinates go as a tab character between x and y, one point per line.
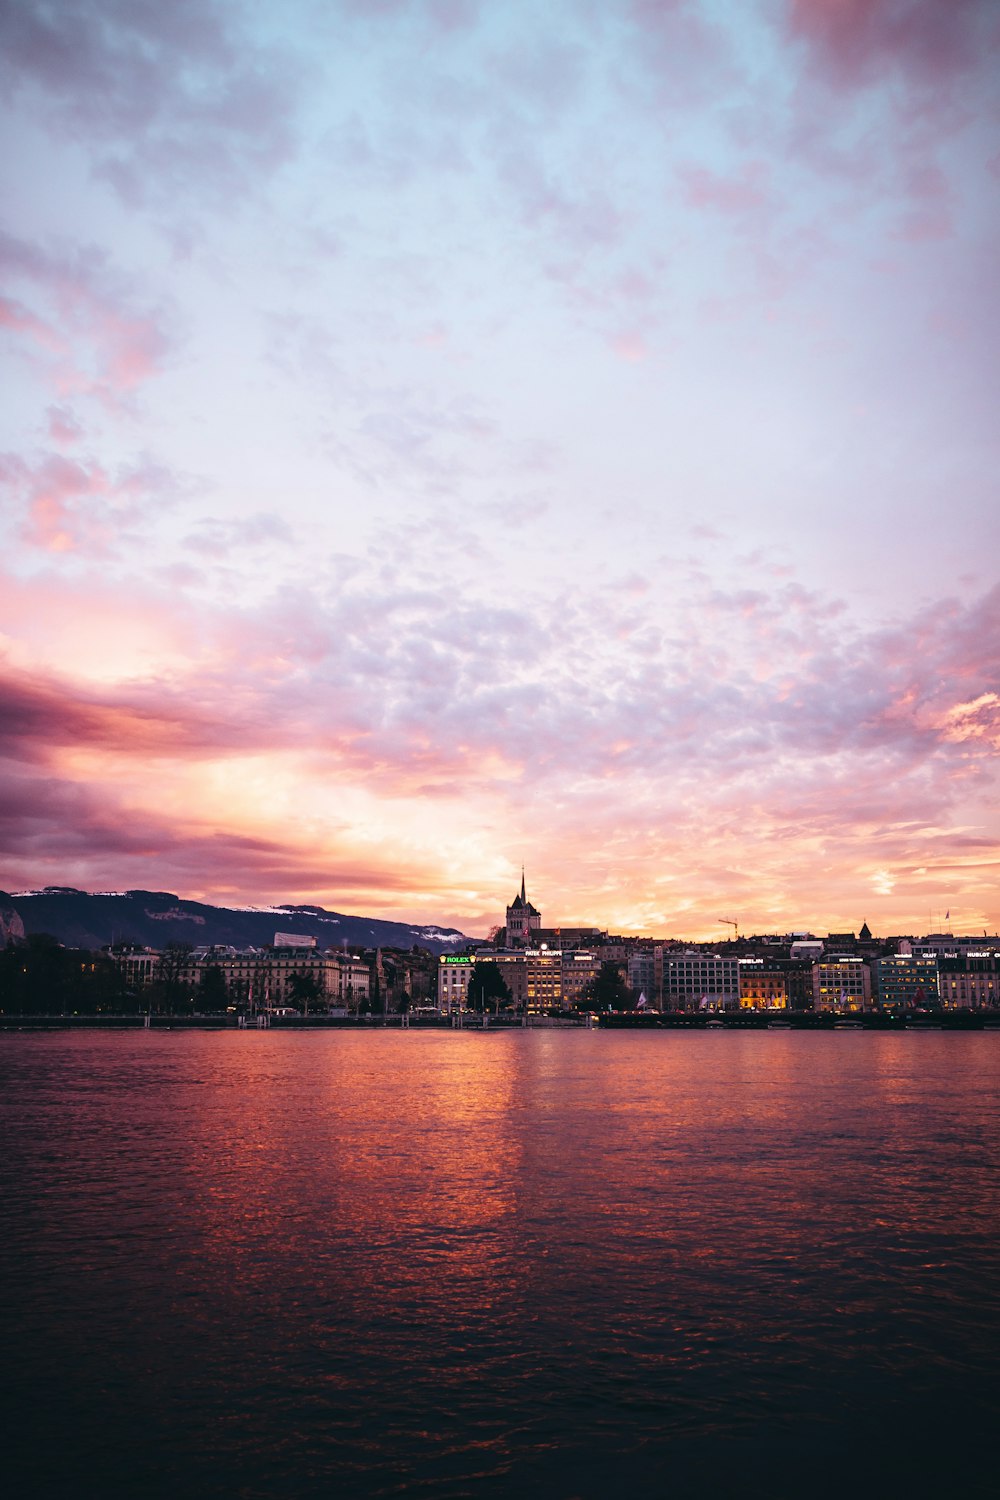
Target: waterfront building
842	984
799	978
946	944
645	975
699	981
971	979
543	979
906	979
454	977
578	969
265	978
511	963
139	966
539	979
762	986
261	978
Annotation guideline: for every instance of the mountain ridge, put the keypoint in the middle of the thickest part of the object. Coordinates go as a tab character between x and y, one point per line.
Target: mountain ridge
83	919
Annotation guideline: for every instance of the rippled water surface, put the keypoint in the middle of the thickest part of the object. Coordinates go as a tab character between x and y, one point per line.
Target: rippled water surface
568	1264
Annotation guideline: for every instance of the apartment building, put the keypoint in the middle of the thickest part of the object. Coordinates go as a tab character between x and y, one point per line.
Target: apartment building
258	978
700	981
970	980
905	979
762	987
841	983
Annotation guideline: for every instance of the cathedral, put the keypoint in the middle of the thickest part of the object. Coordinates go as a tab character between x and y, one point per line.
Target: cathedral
522	919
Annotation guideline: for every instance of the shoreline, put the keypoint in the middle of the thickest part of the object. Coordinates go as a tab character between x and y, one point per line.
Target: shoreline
674	1023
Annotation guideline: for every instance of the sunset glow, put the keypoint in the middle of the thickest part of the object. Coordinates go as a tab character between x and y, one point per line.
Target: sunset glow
443	436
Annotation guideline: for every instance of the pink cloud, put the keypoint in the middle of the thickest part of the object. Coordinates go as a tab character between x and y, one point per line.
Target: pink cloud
916	75
586	216
19	319
76	505
630	346
934	43
179	96
63	427
743	193
453	15
87	327
407	694
55	827
686	54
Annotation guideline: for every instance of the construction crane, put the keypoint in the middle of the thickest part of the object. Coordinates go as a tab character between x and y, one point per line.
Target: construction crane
734	925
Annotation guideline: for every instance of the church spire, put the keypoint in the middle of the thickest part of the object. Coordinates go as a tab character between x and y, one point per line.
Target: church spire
523	896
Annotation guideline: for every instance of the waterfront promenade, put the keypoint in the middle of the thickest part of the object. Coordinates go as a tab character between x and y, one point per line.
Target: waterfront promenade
643	1022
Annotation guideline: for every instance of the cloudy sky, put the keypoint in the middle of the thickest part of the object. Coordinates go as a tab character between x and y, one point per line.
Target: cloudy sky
441	434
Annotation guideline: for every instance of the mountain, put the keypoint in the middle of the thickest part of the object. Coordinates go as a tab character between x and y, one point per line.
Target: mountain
154	918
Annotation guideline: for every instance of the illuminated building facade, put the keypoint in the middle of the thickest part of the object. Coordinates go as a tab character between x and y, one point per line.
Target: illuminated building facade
842	984
578	969
700	981
762	988
543	979
969	980
454	977
539	979
906	979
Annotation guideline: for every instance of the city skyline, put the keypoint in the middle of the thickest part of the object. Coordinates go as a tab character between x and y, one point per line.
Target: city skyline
442	437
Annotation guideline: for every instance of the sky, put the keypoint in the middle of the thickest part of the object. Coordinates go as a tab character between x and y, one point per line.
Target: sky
440	436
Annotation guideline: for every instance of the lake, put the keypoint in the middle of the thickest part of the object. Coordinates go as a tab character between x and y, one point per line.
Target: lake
559	1263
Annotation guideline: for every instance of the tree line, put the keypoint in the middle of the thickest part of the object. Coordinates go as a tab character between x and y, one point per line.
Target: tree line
39	977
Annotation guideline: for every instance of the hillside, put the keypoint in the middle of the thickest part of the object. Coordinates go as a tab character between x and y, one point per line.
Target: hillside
153	918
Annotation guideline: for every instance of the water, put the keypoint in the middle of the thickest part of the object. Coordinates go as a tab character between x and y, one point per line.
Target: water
446	1264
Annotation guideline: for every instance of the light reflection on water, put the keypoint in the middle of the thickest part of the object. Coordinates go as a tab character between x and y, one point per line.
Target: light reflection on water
446	1264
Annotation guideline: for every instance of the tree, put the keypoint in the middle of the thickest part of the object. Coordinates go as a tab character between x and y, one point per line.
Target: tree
38	976
486	984
168	986
213	994
302	988
606	991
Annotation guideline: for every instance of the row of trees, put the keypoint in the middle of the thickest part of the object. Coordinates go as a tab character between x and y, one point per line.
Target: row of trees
40	977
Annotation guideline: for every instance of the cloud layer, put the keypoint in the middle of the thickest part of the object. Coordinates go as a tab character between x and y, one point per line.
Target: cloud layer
444	436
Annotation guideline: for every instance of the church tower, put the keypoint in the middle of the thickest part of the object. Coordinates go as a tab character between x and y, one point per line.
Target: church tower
522	919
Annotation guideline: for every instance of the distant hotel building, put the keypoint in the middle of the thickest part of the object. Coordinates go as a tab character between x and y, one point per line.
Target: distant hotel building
260	978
